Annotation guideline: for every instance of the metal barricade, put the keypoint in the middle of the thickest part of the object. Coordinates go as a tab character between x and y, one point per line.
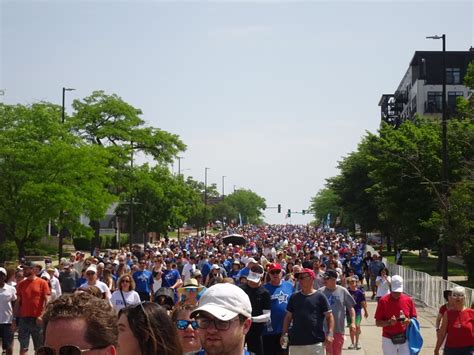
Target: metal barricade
426	288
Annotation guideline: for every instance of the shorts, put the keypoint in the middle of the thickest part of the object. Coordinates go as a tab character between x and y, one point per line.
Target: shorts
27	326
7	336
313	349
336	347
271	344
358	320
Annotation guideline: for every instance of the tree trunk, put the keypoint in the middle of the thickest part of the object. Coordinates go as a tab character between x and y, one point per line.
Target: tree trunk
20	244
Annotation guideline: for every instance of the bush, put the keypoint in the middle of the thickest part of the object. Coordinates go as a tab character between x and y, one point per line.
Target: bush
9	251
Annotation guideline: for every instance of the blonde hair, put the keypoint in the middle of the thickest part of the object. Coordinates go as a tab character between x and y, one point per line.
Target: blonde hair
132	281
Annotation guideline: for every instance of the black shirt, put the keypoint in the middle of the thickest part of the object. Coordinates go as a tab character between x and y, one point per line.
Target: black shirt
308	318
259	299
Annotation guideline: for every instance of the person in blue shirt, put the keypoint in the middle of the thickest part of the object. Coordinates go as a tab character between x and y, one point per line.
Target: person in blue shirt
280	292
356	263
206	268
171	278
143	281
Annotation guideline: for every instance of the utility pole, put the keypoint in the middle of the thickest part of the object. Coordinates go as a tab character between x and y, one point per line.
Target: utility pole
205	199
445	167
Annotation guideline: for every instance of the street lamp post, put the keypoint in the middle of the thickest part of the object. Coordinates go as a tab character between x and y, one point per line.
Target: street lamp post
61	233
179	165
131	200
64	99
205	200
223	187
444	157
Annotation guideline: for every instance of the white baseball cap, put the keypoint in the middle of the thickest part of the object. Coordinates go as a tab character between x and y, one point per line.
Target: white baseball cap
3	271
254	276
396	283
224	301
91	268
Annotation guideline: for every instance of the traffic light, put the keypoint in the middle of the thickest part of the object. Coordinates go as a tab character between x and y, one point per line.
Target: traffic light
279	208
289	213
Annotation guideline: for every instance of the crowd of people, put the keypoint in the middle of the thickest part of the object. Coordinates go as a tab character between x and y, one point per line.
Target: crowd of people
284	289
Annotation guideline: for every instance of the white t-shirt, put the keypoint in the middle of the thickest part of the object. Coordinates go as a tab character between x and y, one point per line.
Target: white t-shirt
131	298
102	286
383	288
7	295
187	270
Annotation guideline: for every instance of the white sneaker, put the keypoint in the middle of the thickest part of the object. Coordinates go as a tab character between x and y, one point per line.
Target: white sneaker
351	347
358	347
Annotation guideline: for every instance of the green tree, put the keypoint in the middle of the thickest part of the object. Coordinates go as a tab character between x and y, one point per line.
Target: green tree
47	173
248	204
326	202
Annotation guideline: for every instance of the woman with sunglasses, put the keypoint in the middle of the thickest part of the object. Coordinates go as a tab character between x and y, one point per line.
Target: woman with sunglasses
146	329
187	329
189	293
458	325
125	295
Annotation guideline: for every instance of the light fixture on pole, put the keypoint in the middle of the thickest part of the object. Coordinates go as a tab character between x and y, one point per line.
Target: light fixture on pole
444	157
64	99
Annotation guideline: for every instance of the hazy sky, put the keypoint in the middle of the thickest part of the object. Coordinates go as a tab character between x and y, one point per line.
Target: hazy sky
270	94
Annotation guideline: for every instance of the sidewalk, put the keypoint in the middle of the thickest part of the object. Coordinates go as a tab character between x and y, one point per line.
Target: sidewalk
371	337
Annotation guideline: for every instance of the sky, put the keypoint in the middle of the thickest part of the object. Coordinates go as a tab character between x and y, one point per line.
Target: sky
269	94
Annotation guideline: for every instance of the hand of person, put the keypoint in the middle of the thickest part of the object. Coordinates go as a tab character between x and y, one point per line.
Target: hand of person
282	340
366	314
406	321
353	326
14	326
329	340
436	352
39	321
392	321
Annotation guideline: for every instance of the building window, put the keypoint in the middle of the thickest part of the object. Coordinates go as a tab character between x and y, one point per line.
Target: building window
434	103
452	98
453	76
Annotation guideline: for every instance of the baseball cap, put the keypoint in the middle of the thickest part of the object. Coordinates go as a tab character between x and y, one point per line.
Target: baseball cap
215	267
254	276
91	268
330	274
305	271
274	266
251	260
29	263
224	301
3	271
397	283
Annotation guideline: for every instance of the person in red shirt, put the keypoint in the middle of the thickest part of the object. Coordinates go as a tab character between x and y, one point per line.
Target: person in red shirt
393	315
458	325
33	294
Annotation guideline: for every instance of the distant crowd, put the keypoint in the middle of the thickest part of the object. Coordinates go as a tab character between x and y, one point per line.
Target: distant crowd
254	289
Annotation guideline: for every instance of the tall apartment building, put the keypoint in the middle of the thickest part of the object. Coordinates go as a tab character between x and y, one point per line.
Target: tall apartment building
420	91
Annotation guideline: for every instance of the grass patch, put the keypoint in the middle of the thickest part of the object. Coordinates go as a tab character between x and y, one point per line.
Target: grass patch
427	265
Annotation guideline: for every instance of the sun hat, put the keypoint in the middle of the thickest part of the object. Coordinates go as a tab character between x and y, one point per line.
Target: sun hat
224	301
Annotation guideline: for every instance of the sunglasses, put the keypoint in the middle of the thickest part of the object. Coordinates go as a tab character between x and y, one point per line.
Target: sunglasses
457	295
189	290
90	273
204	323
64	350
274	272
183	324
303	277
125	281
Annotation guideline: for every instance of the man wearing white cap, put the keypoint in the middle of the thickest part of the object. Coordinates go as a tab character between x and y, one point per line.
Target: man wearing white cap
91	275
224	317
393	315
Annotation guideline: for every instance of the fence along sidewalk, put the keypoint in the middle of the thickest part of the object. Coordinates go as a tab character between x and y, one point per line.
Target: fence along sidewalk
426	288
